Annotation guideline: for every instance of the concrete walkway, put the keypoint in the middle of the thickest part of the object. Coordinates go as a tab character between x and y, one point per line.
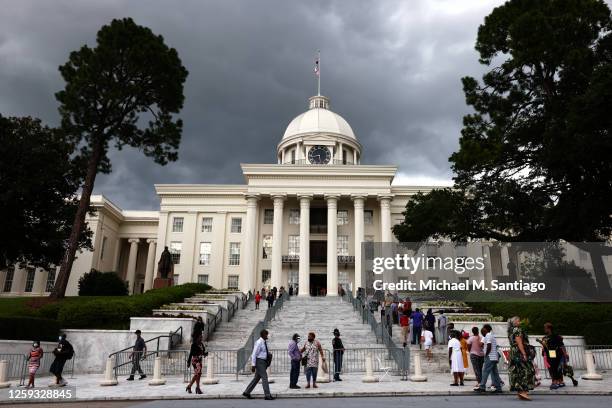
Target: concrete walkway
88	388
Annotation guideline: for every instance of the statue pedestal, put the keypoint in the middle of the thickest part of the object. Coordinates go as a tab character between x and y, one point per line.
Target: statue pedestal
162	283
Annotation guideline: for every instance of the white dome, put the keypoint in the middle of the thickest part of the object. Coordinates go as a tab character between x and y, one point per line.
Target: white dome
318	120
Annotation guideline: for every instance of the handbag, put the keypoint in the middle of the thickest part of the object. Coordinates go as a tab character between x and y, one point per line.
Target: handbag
304	360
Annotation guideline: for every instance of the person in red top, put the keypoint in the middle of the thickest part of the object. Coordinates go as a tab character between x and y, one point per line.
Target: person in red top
407	304
405	324
257	300
34	362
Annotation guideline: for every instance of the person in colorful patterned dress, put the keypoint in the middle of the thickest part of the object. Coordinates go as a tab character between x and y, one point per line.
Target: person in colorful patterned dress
195	359
34	358
520	369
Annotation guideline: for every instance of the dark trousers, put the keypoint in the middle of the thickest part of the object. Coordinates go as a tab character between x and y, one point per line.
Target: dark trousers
136	364
416	334
260	374
337	364
477	363
295	373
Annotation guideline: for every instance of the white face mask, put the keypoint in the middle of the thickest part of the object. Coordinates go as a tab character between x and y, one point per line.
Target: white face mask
60	338
35	345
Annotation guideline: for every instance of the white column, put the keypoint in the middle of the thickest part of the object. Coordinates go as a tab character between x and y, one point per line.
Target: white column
385	219
304	270
250	245
354	156
131	269
505	258
298	151
40	281
332	246
277	241
19	280
358	204
283	156
150	269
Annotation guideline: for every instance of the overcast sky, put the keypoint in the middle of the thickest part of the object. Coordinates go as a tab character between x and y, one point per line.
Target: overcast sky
392	70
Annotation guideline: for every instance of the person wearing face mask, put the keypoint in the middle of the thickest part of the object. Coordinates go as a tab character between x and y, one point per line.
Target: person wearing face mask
63	352
311	351
34	362
296	356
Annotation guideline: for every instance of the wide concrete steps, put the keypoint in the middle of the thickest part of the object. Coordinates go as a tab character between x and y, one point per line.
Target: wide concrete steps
321	316
233	334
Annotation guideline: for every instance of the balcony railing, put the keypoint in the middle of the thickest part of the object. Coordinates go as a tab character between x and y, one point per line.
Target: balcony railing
303	162
318	229
342	259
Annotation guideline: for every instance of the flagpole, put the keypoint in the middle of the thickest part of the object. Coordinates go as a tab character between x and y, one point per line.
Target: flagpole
319	76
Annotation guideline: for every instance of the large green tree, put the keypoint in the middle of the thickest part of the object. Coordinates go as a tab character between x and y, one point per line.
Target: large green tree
125	91
534	162
39	179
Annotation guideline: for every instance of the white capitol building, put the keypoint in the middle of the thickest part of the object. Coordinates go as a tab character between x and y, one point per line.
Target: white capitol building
299	222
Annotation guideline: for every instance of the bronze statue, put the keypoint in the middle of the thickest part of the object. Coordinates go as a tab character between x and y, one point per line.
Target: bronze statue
165	266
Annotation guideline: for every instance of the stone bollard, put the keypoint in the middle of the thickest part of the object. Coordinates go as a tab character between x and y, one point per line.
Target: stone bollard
323	377
591	373
4	374
210	371
157	376
418	372
109	376
369	376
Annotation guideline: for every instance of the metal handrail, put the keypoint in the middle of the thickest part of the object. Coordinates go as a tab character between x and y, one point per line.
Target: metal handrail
244	352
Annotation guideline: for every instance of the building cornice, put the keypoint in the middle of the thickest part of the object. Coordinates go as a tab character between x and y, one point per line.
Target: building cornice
300	171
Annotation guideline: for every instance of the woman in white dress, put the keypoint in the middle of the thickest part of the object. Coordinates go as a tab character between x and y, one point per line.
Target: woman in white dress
455	358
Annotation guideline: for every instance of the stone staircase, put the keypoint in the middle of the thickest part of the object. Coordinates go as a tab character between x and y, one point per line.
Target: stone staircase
231	335
321	315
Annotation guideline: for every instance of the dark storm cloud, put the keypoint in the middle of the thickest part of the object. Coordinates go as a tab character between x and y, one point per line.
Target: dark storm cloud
392	69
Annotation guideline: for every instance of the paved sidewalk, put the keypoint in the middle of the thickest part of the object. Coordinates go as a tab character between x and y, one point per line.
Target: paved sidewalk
88	388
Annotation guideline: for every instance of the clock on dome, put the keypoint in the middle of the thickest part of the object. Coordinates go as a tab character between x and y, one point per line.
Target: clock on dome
319	155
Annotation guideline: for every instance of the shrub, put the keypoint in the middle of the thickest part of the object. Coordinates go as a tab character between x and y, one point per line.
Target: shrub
29	328
115	312
96	283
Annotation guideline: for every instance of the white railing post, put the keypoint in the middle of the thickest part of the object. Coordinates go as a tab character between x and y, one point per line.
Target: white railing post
4	365
210	371
157	375
109	375
591	373
418	372
369	376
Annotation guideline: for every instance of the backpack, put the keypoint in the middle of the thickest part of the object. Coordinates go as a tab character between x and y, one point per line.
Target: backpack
67	351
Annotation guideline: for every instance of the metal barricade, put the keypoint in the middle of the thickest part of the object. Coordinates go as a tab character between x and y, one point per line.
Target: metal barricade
16	364
173	363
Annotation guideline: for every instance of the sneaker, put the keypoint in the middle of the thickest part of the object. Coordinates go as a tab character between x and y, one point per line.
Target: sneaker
130	378
553	386
269	398
247	396
143	376
63	383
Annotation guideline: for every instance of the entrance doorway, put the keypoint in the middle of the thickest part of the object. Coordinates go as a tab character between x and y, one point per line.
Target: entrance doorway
318	284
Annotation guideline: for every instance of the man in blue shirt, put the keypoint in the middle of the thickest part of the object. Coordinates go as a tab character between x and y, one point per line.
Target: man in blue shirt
417	324
296	357
260	360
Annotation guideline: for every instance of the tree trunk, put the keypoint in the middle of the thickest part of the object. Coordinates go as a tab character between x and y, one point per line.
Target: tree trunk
59	290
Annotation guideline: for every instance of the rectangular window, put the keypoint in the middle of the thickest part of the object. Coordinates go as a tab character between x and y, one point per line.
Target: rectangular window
343	217
102	248
267	247
207	224
368	217
294	245
294	216
8	281
293	156
266	276
175	250
205	250
203	279
343	279
234	253
236	225
175	279
268	216
29	279
343	245
50	281
177	224
232	282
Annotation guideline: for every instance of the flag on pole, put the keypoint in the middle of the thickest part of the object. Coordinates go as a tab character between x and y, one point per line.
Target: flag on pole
316	67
